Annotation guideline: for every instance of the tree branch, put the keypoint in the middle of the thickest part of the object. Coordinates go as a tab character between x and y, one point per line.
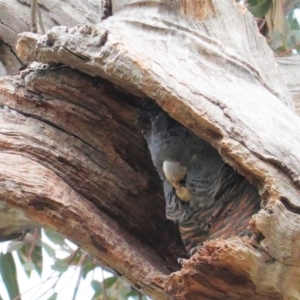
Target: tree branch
217	78
66	165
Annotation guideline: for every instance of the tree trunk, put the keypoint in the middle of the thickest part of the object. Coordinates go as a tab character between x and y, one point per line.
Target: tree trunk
73	159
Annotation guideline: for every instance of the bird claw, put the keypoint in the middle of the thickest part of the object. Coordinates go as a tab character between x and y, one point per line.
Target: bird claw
194	250
181	261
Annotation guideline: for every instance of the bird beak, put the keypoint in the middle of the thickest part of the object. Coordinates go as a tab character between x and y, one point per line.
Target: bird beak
174	173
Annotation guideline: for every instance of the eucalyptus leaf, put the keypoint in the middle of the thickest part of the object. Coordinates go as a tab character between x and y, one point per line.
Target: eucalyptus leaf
9	274
29	266
54	236
50	251
53	296
60	265
87	267
261	9
37	259
110	281
97	287
15	246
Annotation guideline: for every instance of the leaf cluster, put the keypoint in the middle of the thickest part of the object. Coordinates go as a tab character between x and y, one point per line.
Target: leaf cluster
277	21
29	253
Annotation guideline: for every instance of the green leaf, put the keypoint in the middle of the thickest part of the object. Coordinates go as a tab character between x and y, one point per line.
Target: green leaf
37	259
50	251
54	236
294	24
110	281
29	266
87	267
22	254
9	274
276	40
293	39
261	9
97	287
15	246
74	258
252	2
296	33
27	255
133	294
53	296
281	49
60	265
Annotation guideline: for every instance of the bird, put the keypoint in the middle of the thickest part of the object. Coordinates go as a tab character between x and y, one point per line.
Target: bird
205	196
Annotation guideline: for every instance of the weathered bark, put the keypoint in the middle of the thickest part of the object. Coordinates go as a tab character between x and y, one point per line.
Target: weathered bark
74	12
289	69
73	159
15	18
217	78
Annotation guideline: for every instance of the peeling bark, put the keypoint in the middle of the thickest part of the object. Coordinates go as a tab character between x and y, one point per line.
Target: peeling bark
216	77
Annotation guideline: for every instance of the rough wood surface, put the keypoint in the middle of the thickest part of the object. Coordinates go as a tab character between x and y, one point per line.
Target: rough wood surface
15	18
211	70
289	69
72	158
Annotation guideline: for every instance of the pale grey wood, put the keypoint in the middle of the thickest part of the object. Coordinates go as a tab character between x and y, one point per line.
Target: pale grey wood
211	70
290	70
215	74
15	18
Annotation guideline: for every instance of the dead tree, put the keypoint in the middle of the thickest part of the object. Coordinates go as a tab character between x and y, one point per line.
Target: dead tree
73	159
